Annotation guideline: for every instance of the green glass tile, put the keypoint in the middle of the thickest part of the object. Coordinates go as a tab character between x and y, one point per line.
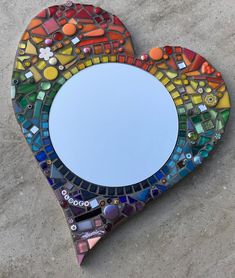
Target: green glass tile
181	110
37	109
206	116
45	85
208	125
26	88
46	108
209	147
203	140
196	119
189	106
219	125
32	97
182	118
41	95
225	115
182	126
204	153
61	80
23	103
20	118
199	128
213	114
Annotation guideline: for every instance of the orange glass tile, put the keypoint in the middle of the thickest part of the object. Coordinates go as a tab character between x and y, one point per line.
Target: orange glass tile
117	28
34	23
39	31
115	36
93	41
94	33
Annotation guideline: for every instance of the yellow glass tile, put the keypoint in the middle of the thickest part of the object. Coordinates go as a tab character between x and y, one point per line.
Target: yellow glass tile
88	63
19	66
208	90
222	88
65	59
41	64
74	70
67	75
153	70
177	81
22	45
196	99
30	49
105	59
175	94
186	82
22	58
50	73
159	75
194	84
36	75
202	83
170	87
224	102
189	90
112	58
162	66
81	66
37	39
171	74
70	64
96	60
178	101
66	50
185	97
165	80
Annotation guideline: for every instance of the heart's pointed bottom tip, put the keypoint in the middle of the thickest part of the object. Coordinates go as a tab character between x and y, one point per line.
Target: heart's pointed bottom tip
80	258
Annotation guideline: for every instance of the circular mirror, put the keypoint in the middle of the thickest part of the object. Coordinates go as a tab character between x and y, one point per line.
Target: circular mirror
113	124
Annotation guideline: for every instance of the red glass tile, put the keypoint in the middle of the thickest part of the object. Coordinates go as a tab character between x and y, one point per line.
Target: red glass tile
42	14
121	58
130	60
70	13
116	20
83	14
51	26
52	10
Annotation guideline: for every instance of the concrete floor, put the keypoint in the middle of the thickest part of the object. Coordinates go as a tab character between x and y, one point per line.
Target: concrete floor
188	232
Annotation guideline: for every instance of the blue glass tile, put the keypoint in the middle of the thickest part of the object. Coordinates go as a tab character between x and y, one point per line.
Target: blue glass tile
35	148
162	187
46	141
53	156
27	125
190	166
152	180
165	170
183	172
122	199
41	156
155	192
178	149
45	116
131	200
45	133
45	125
159	175
49	149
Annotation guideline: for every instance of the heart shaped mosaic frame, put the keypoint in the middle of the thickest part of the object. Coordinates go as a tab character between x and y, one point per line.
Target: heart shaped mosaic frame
64	40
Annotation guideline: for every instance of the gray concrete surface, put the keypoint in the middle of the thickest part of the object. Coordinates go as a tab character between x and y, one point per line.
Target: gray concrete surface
189	232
